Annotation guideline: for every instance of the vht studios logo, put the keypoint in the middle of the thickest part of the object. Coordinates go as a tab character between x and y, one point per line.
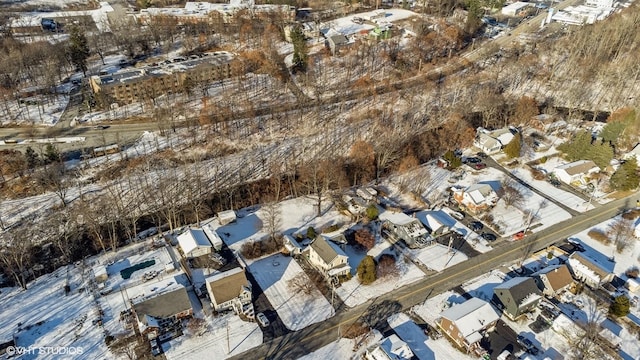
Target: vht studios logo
44	350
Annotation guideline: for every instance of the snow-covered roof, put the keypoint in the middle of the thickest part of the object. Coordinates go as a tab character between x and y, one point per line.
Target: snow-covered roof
193	239
481	193
504	136
411	225
589	265
212	235
396	348
471	317
291	244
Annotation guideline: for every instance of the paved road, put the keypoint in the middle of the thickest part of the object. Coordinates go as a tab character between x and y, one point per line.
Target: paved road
296	344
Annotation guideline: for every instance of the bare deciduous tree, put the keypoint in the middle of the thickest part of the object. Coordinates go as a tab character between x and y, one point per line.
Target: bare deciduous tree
620	232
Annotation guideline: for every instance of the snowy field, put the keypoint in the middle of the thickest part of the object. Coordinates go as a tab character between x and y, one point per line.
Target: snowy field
99	16
49	318
226	336
438	257
296	309
482	287
36	110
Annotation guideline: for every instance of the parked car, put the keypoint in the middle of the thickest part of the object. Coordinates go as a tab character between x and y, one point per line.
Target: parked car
479	166
262	320
457	215
555	182
528	345
482	155
473	160
518	236
488	236
576	244
476	225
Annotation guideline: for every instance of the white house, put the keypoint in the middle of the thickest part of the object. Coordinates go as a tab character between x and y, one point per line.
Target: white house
487	143
576	172
593	272
389	348
477	197
194	243
438	222
406	228
327	257
466	323
292	245
213	236
229	290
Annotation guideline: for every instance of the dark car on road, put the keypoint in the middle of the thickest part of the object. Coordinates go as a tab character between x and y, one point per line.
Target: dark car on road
488	236
473	160
476	225
554	182
481	154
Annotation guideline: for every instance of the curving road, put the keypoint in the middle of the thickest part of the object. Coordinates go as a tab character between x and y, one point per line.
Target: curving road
296	344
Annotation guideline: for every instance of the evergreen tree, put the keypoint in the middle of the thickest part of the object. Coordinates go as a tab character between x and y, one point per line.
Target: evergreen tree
626	177
600	153
612	131
578	146
78	49
367	270
311	233
454	161
619	306
32	158
51	154
513	147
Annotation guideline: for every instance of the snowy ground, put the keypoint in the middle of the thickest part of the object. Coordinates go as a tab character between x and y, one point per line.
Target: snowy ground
438	257
38	110
482	287
296	309
48	318
344	348
353	293
346	26
99	16
226	336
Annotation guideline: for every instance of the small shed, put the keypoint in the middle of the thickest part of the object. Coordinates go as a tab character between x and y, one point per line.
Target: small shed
100	273
226	217
335	42
213	236
632	285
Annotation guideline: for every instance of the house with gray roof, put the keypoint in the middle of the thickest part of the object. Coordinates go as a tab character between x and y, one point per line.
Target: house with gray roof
594	270
465	324
576	173
159	313
517	296
327	257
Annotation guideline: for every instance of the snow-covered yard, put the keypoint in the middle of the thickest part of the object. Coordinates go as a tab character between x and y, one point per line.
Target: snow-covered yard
43	316
344	348
296	309
438	257
353	293
226	336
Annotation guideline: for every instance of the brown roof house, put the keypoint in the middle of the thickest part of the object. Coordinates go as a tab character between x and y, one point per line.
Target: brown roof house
577	172
517	296
160	309
230	290
594	271
477	197
553	280
327	257
466	323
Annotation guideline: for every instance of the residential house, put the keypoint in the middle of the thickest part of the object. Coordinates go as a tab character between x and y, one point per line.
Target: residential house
335	42
492	142
404	227
327	257
553	280
160	309
487	143
576	173
477	197
517	296
593	270
194	243
515	9
389	348
292	245
437	222
213	237
466	323
230	290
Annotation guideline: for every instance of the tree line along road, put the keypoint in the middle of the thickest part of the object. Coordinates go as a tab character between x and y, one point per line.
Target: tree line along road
313	337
